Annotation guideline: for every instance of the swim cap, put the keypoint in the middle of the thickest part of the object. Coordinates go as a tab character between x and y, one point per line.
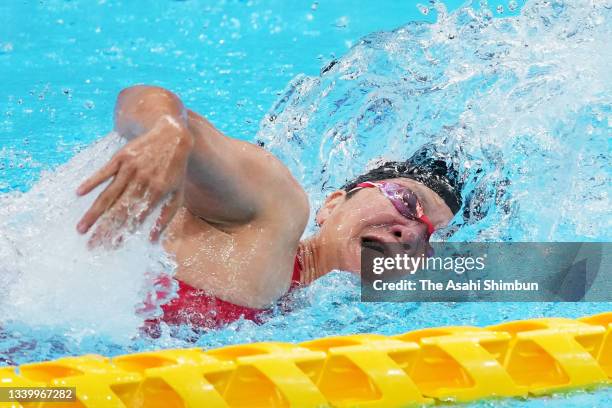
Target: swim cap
426	166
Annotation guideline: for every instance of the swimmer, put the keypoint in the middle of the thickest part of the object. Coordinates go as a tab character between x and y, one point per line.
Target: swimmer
234	216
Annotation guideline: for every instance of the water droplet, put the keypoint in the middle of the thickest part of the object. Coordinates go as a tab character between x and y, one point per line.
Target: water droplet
342	22
423	9
500	9
512	5
6	48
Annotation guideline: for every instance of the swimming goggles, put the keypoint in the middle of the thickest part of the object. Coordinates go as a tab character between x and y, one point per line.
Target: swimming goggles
403	199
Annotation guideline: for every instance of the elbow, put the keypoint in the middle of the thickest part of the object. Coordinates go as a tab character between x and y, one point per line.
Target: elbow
147	96
128	92
140	106
131	93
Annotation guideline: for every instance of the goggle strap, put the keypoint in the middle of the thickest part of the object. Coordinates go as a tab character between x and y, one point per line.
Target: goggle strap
425	220
365	184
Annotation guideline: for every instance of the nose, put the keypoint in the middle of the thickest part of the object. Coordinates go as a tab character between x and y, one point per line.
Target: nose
411	235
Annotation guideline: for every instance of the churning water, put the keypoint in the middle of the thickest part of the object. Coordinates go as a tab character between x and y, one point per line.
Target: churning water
521	105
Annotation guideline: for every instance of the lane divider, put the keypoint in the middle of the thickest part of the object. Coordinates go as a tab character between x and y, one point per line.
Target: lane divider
418	368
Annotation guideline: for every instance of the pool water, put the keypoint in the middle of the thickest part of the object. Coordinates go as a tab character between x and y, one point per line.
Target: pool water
521	91
63	63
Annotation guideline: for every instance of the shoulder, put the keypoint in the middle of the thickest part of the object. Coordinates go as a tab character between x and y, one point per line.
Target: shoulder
285	202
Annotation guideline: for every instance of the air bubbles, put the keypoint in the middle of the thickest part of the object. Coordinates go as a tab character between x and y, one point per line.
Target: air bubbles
500	9
314	6
512	5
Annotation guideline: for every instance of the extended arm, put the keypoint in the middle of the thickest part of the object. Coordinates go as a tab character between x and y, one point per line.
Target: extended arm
174	151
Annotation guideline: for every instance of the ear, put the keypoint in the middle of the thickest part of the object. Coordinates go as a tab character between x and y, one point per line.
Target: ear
331	202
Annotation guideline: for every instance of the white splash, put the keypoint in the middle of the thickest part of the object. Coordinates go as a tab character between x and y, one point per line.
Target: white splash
49	277
526	99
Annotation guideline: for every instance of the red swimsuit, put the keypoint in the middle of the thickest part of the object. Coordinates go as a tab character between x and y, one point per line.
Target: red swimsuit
195	307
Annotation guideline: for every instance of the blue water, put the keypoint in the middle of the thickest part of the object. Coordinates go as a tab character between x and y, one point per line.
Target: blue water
63	63
521	92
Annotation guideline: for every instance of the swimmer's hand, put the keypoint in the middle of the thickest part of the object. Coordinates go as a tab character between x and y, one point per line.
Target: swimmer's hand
146	171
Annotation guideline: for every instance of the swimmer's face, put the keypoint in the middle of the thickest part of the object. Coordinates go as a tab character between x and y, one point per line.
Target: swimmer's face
368	216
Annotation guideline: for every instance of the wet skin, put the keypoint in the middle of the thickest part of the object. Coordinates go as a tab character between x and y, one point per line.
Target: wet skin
233	213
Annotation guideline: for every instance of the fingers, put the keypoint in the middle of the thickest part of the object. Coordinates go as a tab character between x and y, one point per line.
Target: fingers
167	213
104	201
123	206
147	202
127	214
99	177
113	222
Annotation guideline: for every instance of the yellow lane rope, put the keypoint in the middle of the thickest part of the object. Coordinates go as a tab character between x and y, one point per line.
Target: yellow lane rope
422	367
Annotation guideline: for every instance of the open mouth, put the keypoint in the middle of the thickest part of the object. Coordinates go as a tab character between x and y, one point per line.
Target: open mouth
374	243
385	248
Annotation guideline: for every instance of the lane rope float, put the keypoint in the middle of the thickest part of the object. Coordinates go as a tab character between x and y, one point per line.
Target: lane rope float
423	367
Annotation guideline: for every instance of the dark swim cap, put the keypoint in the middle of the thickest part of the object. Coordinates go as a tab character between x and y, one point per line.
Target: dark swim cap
426	166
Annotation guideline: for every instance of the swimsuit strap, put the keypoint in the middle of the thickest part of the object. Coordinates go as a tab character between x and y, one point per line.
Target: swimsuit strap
296	278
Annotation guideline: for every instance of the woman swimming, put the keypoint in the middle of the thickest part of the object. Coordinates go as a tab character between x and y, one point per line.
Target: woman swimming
234	214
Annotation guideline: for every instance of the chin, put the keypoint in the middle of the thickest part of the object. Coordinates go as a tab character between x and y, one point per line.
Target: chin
352	257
